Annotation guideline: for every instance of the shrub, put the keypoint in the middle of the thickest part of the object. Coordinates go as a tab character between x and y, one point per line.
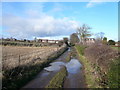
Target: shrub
101	56
111	42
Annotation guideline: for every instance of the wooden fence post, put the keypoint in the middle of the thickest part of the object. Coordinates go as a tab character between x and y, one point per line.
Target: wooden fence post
19	61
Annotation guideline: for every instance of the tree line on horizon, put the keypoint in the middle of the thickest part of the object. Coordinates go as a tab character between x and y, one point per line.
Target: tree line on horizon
84	32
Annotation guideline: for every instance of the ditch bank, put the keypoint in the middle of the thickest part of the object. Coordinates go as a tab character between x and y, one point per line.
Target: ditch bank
101	65
16	78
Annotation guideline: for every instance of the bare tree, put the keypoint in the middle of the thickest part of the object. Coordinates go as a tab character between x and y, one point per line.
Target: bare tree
100	35
83	32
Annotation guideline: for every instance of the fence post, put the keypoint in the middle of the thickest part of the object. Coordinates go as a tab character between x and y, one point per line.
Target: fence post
19	61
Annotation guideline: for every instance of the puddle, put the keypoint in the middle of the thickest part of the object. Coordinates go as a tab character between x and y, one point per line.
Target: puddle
55	66
73	66
69	49
45	74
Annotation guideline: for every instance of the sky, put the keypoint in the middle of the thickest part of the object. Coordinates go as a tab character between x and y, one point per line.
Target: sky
55	20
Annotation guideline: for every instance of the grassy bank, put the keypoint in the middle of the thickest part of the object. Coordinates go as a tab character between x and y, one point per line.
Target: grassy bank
105	75
58	80
90	79
68	57
113	74
15	78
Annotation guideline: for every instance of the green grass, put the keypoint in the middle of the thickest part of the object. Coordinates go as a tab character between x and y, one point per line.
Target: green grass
91	81
58	80
68	57
116	48
113	74
80	49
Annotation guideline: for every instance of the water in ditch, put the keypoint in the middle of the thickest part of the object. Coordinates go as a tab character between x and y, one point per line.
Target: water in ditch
75	76
73	79
73	66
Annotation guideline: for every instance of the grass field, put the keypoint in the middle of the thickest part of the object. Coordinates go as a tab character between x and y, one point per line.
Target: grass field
18	76
13	56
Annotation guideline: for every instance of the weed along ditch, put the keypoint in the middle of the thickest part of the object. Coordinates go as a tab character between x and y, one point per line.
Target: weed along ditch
62	73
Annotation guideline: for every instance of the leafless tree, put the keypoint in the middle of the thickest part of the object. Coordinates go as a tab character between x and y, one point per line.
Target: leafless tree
99	37
83	32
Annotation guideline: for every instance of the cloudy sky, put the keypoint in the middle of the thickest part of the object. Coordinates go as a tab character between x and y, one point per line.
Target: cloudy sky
55	20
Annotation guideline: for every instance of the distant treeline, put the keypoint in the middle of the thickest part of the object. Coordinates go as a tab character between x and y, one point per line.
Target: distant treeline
20	43
17	43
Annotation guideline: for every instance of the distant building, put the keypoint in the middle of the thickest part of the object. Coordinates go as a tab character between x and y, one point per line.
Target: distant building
116	43
44	40
47	41
51	41
89	41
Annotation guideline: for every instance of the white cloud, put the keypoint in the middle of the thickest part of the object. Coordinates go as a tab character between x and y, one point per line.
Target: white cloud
37	23
93	3
43	26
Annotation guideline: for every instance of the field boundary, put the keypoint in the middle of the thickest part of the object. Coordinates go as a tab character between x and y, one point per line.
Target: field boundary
19	76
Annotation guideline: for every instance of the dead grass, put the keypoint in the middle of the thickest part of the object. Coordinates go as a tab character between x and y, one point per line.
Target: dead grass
17	77
16	56
90	77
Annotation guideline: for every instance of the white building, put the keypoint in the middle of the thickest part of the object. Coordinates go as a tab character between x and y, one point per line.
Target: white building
89	41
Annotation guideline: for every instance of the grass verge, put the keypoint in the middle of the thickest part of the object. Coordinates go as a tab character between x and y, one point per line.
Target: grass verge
91	81
68	57
58	80
115	48
113	74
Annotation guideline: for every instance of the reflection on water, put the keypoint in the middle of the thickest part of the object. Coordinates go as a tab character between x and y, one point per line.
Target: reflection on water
55	66
72	67
69	49
45	74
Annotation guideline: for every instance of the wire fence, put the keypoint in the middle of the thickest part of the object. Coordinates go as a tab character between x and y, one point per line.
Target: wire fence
13	60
